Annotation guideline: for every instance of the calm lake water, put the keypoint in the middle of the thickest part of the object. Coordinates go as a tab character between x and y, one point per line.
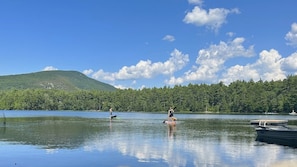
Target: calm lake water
76	139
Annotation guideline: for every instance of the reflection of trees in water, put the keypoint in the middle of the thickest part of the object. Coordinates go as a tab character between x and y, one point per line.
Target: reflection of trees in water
3	126
50	132
3	130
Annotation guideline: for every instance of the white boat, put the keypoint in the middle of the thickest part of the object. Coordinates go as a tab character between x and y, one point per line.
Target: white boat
293	113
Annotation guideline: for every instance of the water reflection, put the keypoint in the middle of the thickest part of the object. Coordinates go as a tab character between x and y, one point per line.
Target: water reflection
143	142
48	132
200	143
171	129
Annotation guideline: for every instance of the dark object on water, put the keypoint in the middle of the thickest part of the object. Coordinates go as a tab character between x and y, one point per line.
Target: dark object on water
276	133
113	116
4	119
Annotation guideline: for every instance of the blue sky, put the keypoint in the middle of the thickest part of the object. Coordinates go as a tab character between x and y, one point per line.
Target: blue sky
151	43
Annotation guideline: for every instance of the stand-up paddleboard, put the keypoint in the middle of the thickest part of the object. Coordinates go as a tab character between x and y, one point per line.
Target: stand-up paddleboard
113	116
169	122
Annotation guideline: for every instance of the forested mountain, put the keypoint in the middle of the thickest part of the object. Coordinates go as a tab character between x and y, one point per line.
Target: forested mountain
60	80
238	97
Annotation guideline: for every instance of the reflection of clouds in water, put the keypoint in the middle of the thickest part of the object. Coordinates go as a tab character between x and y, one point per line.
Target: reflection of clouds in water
203	152
179	151
266	156
145	150
229	153
51	151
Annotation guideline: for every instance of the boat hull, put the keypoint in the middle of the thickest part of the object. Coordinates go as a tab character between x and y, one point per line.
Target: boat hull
280	136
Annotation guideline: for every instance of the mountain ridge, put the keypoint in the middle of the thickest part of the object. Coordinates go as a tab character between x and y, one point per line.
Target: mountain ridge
57	79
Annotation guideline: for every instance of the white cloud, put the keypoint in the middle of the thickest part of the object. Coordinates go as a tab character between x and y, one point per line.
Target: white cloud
101	75
132	86
289	64
120	87
88	72
210	64
196	2
49	68
175	81
230	34
146	68
169	38
291	36
268	67
239	72
214	18
211	61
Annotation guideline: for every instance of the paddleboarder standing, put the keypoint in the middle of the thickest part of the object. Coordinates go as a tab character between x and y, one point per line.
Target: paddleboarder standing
170	120
110	111
111	116
170	112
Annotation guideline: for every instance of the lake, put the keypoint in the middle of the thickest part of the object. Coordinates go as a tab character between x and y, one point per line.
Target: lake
76	139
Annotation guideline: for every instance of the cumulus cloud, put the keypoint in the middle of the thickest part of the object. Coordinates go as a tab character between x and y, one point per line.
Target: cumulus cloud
214	18
291	36
268	67
49	68
88	72
211	61
146	68
289	64
239	72
169	38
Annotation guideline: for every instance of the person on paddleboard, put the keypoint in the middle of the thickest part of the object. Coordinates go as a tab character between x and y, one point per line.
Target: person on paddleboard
170	112
110	111
111	116
171	120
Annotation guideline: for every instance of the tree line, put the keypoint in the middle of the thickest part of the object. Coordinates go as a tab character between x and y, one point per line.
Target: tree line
238	97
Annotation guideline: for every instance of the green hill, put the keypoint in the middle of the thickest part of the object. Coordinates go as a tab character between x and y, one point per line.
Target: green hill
61	80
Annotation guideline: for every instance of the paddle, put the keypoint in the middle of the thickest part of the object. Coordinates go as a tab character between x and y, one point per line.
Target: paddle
173	118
